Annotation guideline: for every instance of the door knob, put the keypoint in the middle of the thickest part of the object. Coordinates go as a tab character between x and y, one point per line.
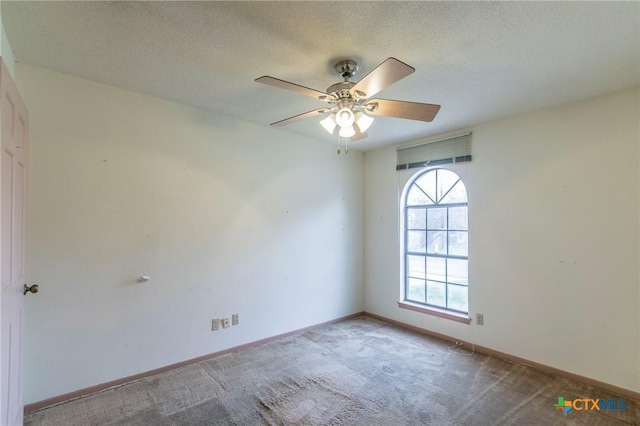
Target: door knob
30	288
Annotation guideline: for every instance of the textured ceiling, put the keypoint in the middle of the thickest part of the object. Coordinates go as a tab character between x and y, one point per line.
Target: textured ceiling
480	60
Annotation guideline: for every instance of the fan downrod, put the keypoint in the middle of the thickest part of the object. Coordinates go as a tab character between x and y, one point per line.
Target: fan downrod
346	68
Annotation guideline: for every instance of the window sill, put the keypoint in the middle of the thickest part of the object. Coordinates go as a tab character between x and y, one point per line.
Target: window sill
441	313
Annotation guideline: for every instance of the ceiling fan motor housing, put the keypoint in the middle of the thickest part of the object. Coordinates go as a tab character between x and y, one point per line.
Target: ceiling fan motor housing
341	90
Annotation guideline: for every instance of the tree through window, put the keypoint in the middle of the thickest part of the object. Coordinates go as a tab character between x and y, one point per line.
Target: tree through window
436	241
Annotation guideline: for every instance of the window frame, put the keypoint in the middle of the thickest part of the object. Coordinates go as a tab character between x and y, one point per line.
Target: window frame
424	307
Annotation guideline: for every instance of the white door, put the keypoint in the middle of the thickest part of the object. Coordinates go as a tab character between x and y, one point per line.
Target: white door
13	174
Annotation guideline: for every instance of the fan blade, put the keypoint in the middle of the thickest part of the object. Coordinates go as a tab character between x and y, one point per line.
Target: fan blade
275	82
384	75
299	117
403	109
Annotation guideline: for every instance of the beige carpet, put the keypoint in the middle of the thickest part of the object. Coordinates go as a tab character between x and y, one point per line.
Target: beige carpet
355	372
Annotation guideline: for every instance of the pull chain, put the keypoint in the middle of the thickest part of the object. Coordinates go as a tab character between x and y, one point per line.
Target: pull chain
346	145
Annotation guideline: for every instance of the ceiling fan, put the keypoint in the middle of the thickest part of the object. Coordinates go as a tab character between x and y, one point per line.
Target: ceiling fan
350	105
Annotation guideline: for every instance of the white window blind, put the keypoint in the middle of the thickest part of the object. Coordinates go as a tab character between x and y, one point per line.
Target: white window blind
452	150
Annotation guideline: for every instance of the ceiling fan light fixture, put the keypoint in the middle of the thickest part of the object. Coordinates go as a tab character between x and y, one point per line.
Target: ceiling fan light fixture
347	132
363	121
329	123
345	117
350	104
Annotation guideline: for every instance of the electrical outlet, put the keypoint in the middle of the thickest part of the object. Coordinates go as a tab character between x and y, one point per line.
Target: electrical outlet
480	319
235	319
226	322
215	324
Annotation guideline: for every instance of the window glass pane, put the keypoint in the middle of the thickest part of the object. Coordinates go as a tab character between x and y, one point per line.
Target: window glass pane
436	269
458	194
415	290
416	218
458	243
437	218
416	241
416	197
458	218
436	294
436	228
458	271
428	184
437	242
415	266
458	298
446	179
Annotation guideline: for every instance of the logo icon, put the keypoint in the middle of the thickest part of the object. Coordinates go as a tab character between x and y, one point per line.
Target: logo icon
589	404
563	405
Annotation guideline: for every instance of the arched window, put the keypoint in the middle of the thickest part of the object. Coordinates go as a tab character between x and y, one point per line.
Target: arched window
435	251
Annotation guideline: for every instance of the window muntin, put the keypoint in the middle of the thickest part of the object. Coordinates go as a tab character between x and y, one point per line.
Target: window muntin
436	241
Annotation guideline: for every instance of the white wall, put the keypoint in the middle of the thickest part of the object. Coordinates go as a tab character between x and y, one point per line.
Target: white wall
5	49
553	234
224	216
